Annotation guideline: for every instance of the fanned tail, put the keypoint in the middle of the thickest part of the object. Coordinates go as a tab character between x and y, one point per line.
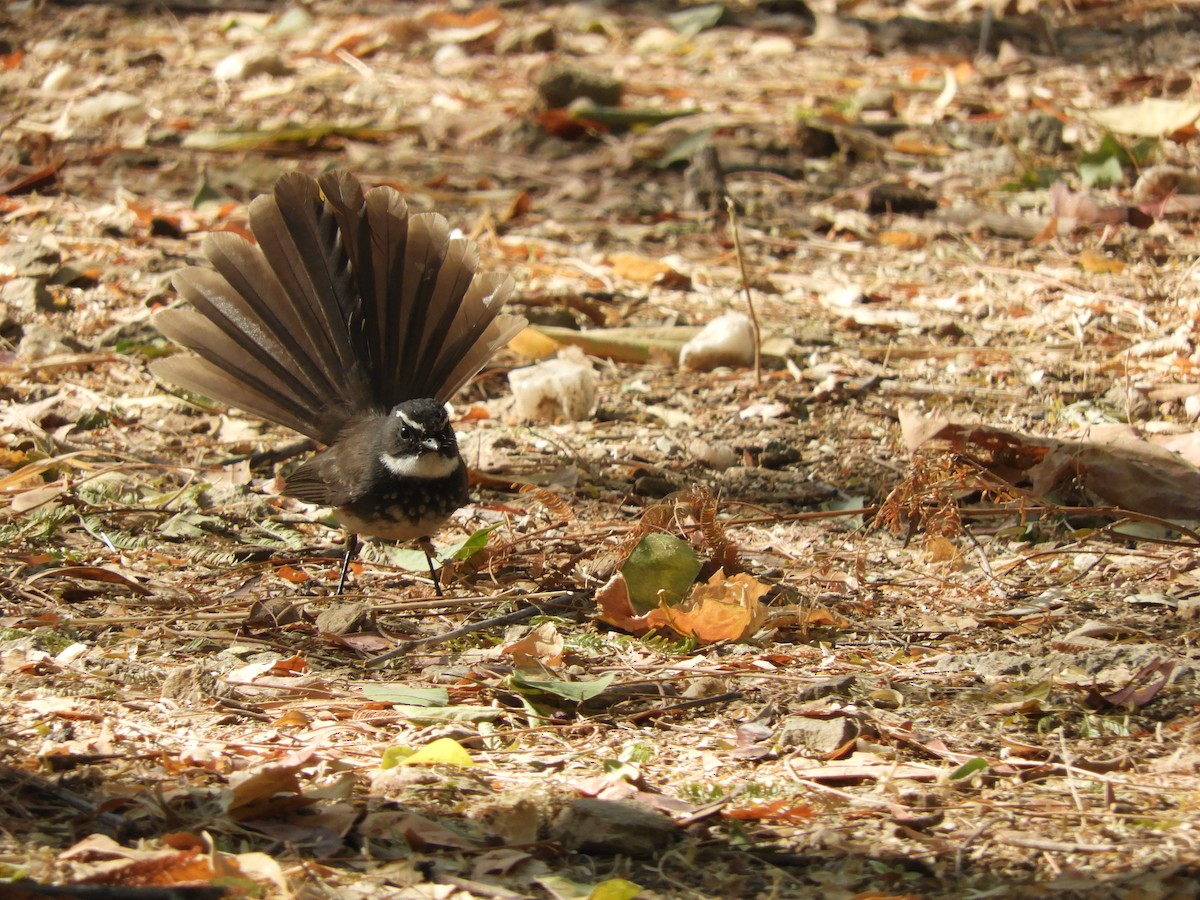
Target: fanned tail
347	306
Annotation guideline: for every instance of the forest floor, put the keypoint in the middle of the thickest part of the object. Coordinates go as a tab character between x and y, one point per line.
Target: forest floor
961	659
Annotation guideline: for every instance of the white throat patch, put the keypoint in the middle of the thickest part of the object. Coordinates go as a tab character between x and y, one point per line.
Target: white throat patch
423	465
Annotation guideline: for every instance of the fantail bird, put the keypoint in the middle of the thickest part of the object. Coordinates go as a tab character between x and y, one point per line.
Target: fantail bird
351	322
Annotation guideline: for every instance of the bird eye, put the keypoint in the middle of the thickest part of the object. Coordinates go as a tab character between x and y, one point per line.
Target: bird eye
406	433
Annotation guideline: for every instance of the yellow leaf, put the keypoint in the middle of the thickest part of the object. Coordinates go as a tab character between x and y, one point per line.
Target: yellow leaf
533	344
442	752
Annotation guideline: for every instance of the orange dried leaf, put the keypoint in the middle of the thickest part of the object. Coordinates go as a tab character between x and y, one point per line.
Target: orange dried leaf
271	790
642	269
294	664
903	240
615	607
541	648
292	574
915	147
521	204
473	19
776	810
1091	261
723	609
293	718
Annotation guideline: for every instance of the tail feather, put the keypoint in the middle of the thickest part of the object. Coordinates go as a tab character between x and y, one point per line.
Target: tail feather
445	306
388	221
246	330
209	341
345	195
347	306
208	378
471	333
299	237
497	333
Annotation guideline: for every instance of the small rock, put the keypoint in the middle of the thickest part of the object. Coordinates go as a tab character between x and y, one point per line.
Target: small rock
24	296
62	77
450	59
562	388
817	735
562	83
623	827
106	107
716	455
29	260
657	42
537	38
772	46
40	342
346	618
727	340
246	64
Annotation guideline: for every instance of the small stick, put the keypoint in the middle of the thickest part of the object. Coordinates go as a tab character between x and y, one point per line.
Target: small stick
741	261
517	615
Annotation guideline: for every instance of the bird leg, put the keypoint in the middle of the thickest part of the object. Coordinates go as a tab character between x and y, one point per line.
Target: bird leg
351	549
430	555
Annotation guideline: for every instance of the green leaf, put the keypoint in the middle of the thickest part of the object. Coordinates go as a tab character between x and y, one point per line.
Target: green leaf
306	136
413	696
1104	165
394	756
576	691
106	534
280	535
690	22
686	149
429	715
469	547
188	525
661	568
205	193
619	117
415	560
969	768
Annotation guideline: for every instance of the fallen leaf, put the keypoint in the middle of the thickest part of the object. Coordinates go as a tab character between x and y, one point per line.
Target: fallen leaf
723	609
541	648
1150	117
644	270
